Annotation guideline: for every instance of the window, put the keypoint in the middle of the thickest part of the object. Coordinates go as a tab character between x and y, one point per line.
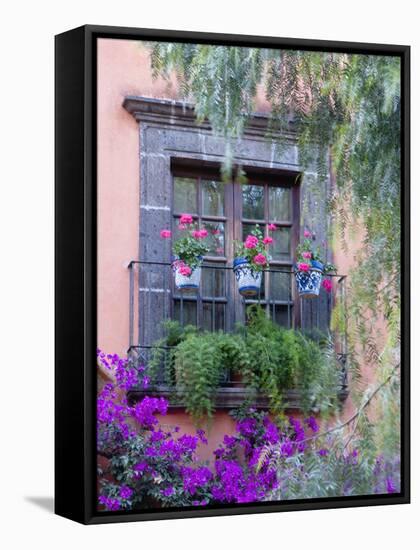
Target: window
229	212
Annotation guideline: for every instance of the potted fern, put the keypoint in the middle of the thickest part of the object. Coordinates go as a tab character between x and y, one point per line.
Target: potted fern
251	257
188	253
310	268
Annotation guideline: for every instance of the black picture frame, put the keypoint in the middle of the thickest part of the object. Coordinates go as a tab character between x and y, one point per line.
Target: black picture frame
75	273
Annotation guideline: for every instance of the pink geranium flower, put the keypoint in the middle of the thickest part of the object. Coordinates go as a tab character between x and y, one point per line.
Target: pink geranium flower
186	218
307	255
267	240
260	259
327	284
185	270
199	233
302	266
182	226
251	241
307	234
165	234
272	226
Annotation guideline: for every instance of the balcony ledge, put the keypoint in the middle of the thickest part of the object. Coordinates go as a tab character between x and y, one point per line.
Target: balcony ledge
227	397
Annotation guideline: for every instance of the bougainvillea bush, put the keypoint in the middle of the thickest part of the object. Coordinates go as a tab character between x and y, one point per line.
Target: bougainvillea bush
145	462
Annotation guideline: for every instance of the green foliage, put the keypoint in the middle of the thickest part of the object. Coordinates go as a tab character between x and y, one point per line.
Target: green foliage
198	368
346	112
311	475
190	248
270	359
222	82
283	359
344	106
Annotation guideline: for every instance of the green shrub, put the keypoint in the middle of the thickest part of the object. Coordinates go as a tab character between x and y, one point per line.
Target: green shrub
270	359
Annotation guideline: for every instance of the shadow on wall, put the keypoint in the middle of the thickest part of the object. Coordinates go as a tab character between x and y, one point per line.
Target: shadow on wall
46	503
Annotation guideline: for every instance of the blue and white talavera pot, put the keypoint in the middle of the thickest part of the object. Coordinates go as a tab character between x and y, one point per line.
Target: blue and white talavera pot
309	282
247	277
187	282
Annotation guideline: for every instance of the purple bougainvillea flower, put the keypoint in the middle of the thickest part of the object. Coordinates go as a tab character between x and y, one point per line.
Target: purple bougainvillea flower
195	478
168	492
312	424
246	427
145	410
111	504
202	436
271	431
229	441
287	448
126	492
390	487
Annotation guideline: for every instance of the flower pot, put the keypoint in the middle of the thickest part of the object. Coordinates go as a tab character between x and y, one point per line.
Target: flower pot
247	277
309	282
187	282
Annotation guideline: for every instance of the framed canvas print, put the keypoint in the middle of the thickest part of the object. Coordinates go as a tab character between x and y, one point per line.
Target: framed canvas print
232	274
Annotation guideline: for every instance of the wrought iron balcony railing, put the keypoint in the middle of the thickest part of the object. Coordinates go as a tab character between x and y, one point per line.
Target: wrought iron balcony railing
217	305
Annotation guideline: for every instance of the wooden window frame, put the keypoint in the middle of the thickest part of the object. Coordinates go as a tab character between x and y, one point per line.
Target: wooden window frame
234	221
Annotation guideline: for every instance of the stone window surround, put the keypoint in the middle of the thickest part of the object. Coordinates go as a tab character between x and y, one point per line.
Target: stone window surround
168	131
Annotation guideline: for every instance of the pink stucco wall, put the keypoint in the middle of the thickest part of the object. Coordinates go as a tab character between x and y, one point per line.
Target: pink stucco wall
123	68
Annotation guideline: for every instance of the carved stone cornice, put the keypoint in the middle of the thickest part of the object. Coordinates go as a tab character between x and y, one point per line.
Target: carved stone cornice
177	113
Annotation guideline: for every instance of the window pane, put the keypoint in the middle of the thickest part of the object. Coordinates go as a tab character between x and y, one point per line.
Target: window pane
216	237
213	316
176	232
279	204
280	286
280	249
213	282
282	315
185	195
253	202
185	312
213	198
247	229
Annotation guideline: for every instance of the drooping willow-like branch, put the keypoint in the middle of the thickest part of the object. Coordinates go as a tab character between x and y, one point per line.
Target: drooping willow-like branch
270	448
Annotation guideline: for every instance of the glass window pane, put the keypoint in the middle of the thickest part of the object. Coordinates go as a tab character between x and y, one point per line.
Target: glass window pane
280	248
176	232
213	198
247	229
215	239
280	286
213	316
185	312
279	204
185	195
253	202
213	282
282	315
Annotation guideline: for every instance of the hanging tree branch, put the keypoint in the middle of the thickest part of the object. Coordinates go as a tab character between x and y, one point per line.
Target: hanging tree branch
270	448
